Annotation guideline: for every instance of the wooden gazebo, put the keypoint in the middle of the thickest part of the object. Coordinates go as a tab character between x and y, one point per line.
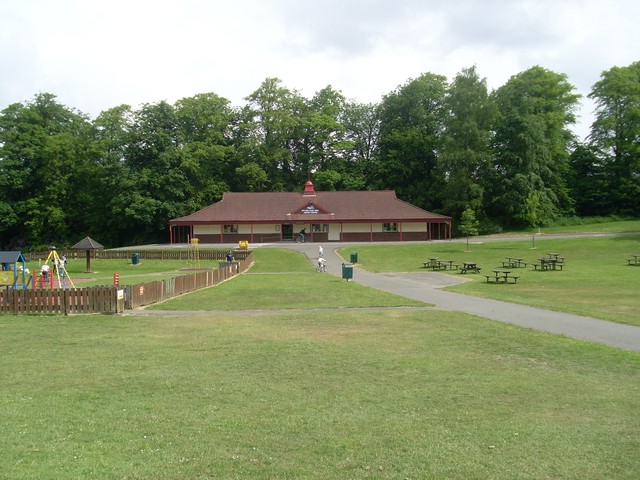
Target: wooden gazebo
88	244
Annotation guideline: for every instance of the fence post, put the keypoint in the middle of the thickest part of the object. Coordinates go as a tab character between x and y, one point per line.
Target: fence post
127	297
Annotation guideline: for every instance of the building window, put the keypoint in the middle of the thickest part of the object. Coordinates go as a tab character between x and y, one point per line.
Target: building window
230	229
320	228
390	227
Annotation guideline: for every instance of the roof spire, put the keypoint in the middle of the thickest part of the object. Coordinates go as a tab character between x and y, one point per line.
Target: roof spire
309	190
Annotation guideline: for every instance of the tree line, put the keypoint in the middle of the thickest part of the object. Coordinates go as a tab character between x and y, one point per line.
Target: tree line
506	157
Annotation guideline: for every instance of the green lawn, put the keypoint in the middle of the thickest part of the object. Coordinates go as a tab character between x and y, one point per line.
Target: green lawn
283	279
102	270
341	395
336	394
604	226
596	280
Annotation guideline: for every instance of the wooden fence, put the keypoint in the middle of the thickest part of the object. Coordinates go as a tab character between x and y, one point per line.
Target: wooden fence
113	299
153	292
62	301
151	254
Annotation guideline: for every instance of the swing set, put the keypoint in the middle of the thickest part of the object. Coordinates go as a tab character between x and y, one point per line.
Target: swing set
49	273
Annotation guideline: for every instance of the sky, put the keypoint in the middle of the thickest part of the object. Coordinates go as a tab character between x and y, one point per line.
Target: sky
98	55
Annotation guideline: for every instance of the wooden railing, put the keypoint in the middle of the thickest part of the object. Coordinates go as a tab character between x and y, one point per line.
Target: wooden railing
62	301
151	254
110	299
153	292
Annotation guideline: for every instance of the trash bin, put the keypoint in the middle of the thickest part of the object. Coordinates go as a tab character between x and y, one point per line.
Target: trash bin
135	258
347	270
354	257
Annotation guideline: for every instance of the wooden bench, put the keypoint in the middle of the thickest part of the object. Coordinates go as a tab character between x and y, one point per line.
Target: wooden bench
498	279
514	264
547	266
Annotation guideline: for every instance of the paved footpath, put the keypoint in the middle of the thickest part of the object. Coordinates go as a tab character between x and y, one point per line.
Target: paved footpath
427	287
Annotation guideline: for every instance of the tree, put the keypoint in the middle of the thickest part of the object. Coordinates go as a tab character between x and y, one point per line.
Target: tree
272	133
468	224
531	146
325	130
615	133
362	129
411	125
589	183
41	142
251	177
205	148
466	153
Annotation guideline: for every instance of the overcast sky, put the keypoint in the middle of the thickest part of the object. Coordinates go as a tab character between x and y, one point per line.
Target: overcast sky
98	55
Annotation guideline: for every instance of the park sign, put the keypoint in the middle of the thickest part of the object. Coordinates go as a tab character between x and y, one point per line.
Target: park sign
310	209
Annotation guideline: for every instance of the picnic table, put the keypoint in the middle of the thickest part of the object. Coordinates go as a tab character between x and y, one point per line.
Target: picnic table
470	267
432	263
635	260
501	275
435	264
448	265
549	263
514	262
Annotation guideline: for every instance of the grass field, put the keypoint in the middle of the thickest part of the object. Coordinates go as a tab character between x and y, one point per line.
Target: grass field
336	394
395	394
102	271
283	279
596	279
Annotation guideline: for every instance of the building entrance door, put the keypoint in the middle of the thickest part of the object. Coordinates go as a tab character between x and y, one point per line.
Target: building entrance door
287	232
334	232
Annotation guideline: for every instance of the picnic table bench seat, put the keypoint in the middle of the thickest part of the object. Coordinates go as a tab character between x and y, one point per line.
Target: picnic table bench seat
494	279
558	266
441	265
514	264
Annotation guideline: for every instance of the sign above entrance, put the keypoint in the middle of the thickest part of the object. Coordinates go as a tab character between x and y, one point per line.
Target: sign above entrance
310	209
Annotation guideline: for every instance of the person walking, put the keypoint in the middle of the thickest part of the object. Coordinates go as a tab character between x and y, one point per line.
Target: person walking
320	252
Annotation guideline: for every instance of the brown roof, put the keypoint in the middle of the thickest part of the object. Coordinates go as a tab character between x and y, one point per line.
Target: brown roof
277	207
87	243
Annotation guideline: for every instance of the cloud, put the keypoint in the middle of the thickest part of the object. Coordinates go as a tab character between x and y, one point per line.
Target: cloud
97	55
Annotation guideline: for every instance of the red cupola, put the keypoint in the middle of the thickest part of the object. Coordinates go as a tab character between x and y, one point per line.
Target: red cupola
309	190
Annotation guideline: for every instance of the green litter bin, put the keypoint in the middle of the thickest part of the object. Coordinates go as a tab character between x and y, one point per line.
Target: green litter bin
135	258
354	257
347	271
